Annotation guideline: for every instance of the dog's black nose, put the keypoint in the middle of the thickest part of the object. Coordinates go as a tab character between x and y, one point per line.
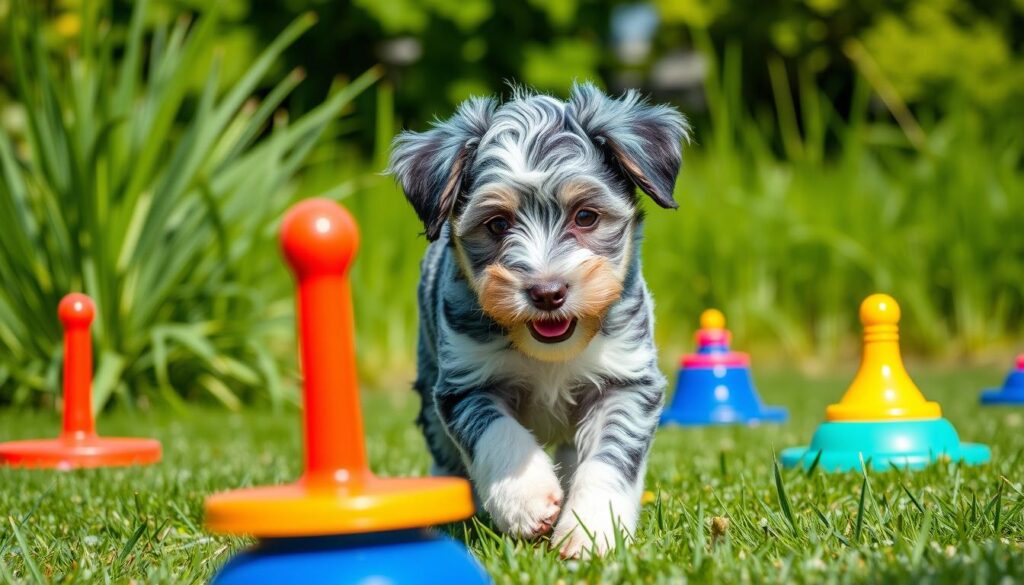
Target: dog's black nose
548	296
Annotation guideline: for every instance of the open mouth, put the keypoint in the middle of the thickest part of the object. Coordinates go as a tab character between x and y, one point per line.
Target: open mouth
552	330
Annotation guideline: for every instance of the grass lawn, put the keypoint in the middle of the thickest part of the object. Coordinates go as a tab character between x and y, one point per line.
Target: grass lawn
946	524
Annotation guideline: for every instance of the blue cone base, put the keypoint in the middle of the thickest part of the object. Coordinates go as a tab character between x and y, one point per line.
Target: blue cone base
1000	396
910	444
1012	391
718	396
406	557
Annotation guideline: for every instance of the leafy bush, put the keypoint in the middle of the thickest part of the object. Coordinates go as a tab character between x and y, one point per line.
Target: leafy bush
146	174
158	203
789	245
928	50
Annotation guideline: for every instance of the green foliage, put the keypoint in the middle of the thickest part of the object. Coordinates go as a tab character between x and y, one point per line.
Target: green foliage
928	50
462	46
155	202
798	198
941	47
789	246
398	16
555	68
695	13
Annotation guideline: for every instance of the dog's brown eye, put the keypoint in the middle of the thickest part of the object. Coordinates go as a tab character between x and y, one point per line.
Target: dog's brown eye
586	217
498	226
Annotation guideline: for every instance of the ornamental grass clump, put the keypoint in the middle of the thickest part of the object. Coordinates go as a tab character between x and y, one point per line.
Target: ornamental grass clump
157	199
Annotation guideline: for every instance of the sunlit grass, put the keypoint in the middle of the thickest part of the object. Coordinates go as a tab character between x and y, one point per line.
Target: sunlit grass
946	524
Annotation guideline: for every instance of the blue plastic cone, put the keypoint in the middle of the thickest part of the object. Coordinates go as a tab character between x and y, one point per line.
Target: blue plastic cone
1012	390
715	386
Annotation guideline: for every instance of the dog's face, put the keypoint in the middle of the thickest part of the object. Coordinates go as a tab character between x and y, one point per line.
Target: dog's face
540	198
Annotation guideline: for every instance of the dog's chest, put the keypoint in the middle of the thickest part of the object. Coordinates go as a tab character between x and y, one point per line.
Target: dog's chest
546	401
549	398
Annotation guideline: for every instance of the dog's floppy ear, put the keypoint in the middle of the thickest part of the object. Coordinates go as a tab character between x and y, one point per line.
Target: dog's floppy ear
644	140
431	165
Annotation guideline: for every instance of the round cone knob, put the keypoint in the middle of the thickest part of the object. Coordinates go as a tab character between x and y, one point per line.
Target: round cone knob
712	319
76	311
713	340
879	309
882	388
319	237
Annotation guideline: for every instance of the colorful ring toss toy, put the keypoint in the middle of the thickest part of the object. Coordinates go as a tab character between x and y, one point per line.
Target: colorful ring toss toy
78	444
339	523
715	386
883	417
1012	391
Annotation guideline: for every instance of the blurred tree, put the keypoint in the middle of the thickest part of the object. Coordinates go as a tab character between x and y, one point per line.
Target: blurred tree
438	52
935	47
441	51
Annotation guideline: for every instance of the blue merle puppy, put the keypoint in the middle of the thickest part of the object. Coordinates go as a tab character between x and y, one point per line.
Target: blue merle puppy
535	321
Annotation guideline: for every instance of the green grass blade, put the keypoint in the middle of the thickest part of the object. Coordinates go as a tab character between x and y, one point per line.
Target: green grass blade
783	498
913	500
130	543
997	512
26	552
921	540
859	524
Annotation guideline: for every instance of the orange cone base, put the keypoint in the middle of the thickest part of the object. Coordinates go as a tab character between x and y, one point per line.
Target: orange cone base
74	453
366	504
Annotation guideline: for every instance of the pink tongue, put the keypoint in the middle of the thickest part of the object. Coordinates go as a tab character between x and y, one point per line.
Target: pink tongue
551	328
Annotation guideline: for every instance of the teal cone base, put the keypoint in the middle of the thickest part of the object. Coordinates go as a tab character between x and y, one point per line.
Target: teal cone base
909	444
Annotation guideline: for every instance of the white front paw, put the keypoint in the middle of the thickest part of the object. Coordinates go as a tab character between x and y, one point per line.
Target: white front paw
525	502
516	480
593	516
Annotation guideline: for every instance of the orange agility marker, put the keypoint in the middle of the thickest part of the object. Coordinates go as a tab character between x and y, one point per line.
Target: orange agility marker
78	444
338	519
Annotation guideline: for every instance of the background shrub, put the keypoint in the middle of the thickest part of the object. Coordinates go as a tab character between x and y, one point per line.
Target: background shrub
841	148
156	201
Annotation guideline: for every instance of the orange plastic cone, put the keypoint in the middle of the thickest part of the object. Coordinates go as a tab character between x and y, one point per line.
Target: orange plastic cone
78	444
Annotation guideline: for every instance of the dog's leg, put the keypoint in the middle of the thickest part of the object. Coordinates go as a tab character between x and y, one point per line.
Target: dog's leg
512	475
613	439
447	459
566	460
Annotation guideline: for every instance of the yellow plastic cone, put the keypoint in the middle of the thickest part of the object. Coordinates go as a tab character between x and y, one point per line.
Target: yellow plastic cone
882	389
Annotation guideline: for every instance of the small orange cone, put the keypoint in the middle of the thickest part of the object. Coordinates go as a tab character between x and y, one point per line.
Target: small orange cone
78	444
